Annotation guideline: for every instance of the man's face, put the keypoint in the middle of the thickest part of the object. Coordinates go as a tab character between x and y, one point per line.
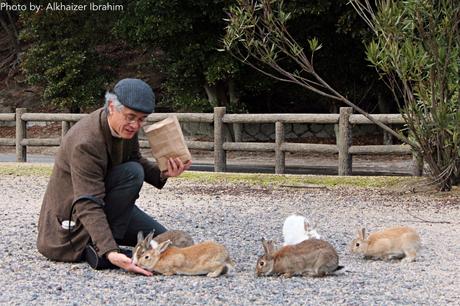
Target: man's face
125	122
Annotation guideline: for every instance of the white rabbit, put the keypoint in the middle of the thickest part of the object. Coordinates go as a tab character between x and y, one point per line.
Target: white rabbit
297	229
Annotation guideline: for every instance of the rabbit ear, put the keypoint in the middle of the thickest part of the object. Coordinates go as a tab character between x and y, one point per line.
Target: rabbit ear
306	225
153	244
149	239
149	236
268	246
140	236
164	246
362	233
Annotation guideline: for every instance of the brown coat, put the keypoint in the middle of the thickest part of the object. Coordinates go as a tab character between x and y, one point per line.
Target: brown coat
81	165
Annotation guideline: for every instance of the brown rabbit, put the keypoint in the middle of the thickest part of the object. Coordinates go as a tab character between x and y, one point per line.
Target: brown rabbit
311	257
208	258
396	242
178	239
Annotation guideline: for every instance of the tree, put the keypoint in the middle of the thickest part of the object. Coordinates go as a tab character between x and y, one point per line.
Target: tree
183	38
62	57
417	47
340	31
9	42
257	35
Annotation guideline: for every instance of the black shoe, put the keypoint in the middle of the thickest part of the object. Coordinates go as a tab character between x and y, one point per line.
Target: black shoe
101	263
96	262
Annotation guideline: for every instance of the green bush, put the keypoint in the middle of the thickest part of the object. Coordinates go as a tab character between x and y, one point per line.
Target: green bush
61	57
417	47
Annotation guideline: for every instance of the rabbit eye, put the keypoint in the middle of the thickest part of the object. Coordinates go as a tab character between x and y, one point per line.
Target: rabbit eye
357	244
147	257
261	263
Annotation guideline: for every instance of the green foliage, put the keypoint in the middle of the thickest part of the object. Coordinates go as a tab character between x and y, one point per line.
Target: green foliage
417	46
185	36
182	38
257	34
187	33
331	25
66	75
62	57
314	45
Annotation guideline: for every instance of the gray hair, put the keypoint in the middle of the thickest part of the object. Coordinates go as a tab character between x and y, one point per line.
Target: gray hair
112	97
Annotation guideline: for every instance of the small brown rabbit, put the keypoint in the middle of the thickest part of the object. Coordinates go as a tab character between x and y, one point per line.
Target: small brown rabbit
396	242
311	257
178	239
208	258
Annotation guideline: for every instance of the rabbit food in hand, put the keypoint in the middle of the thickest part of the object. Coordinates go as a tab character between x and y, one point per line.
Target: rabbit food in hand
178	239
311	257
396	242
297	229
208	258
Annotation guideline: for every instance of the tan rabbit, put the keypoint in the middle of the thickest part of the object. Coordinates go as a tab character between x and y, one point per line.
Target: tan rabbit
178	238
208	258
396	242
311	257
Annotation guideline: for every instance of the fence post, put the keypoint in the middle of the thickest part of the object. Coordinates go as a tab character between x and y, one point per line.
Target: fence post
344	142
65	126
279	154
21	133
220	159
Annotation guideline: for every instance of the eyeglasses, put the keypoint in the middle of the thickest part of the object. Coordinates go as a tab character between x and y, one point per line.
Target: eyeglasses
133	119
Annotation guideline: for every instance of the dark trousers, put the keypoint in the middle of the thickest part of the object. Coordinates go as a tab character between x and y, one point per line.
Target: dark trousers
123	184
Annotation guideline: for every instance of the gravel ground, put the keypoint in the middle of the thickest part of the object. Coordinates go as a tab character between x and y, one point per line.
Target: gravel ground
238	216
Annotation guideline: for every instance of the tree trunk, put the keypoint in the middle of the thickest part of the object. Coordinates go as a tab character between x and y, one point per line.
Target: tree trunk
233	94
217	93
13	38
75	109
212	94
334	109
12	22
10	59
384	108
222	98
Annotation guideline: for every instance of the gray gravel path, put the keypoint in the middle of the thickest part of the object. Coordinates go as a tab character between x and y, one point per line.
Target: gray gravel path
238	216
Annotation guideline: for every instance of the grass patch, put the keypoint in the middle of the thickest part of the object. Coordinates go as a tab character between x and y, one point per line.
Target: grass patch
298	180
25	169
264	180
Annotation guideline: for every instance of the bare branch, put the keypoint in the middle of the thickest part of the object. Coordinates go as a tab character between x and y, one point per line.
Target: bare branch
268	37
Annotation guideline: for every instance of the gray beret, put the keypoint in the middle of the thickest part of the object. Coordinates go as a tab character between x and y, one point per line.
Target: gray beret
135	94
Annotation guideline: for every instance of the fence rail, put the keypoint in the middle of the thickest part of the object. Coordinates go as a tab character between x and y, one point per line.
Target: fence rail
345	119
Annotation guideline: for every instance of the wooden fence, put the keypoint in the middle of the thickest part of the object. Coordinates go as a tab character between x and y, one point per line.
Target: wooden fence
220	146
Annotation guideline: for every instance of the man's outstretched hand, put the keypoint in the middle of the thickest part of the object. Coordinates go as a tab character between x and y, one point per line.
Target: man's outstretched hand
176	167
124	262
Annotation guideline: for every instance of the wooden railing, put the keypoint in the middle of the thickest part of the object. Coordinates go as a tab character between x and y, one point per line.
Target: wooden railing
345	119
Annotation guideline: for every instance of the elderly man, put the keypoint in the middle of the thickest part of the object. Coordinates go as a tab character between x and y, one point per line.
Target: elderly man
89	207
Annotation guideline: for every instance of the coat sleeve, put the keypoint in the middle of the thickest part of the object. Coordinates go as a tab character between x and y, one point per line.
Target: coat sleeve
151	170
87	171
